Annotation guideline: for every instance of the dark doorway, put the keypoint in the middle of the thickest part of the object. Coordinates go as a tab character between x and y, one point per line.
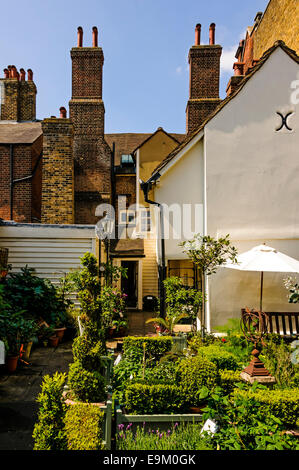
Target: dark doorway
129	285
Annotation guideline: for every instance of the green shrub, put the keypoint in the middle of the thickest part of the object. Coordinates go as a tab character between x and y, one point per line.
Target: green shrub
150	399
197	341
283	404
195	373
228	380
223	359
84	427
87	386
88	353
48	433
276	356
155	347
243	424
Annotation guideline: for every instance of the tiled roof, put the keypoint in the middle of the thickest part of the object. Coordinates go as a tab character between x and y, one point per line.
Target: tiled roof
19	133
125	144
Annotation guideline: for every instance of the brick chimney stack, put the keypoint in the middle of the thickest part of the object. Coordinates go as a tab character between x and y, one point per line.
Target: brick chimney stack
204	63
19	103
92	154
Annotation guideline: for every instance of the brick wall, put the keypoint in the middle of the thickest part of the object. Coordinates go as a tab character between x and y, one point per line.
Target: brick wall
58	172
280	21
204	62
25	204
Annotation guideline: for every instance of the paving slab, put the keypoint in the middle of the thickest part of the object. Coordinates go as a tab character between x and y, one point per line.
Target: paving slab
18	393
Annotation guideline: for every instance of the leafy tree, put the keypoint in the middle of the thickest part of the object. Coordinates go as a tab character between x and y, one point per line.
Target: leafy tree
208	254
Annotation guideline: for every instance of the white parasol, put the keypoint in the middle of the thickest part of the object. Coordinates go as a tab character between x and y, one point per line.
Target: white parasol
263	258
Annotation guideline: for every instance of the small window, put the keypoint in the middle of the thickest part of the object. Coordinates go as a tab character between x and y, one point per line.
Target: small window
127	218
145	221
127	160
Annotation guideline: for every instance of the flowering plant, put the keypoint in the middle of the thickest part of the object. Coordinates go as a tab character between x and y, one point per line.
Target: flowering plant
113	307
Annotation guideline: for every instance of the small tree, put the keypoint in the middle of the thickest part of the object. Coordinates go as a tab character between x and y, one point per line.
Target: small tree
208	254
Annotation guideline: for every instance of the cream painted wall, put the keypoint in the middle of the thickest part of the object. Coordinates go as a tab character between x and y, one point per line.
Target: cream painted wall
252	184
183	184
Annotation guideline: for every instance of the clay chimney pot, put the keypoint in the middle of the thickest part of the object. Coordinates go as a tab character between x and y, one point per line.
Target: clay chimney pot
30	75
197	34
22	75
6	73
212	34
94	36
80	36
62	113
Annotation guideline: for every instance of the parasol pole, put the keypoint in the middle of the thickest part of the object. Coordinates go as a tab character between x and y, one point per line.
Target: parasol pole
261	299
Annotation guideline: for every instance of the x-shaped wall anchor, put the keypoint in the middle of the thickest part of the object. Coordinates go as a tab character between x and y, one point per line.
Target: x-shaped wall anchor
284	120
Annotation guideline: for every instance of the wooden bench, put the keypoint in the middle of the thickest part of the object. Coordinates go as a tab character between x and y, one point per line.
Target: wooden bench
283	323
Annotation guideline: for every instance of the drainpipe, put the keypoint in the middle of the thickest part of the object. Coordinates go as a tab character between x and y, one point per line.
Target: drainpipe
19	180
146	186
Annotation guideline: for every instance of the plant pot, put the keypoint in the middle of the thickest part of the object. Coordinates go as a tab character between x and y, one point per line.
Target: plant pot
11	363
54	341
111	331
28	350
122	331
59	332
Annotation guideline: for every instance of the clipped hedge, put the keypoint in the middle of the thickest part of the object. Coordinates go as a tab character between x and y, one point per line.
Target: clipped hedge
194	373
229	379
87	386
223	359
155	346
154	399
284	404
84	427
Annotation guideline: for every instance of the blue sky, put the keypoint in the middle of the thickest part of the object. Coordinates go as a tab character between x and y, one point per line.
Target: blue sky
145	44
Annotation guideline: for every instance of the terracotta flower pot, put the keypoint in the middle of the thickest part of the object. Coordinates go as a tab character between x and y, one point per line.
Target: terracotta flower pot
60	333
54	341
11	363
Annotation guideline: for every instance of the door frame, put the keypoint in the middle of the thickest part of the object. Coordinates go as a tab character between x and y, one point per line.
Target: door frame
139	283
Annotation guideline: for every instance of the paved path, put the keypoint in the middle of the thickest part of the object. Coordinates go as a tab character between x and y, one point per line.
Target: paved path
18	392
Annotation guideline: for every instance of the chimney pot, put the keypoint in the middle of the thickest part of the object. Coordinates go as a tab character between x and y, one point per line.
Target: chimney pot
80	36
197	34
94	36
14	72
212	34
30	75
22	75
62	113
6	73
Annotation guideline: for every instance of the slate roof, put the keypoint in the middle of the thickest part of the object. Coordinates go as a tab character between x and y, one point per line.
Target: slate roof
20	133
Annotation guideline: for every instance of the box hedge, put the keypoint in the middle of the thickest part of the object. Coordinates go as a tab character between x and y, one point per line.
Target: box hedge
224	360
154	399
155	347
87	386
284	404
194	373
229	379
84	427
